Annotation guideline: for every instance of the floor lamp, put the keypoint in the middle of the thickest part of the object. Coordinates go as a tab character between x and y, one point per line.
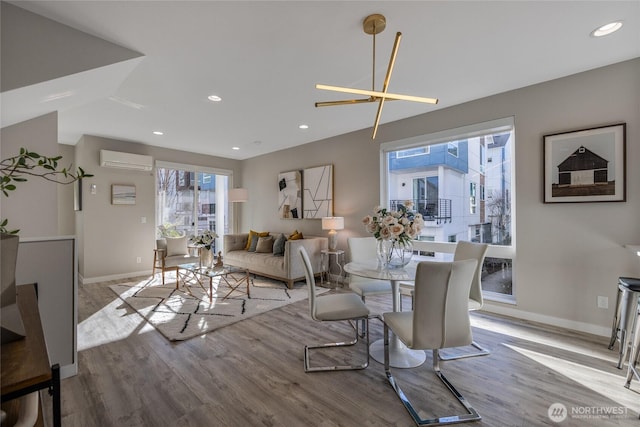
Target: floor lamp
237	195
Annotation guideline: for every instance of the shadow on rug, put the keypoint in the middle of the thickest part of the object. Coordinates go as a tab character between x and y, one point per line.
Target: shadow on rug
179	314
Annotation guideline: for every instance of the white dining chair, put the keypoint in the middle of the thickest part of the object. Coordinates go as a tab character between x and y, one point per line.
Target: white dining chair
440	319
330	308
365	249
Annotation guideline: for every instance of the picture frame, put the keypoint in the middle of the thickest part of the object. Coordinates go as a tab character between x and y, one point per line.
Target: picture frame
317	193
290	195
587	165
123	194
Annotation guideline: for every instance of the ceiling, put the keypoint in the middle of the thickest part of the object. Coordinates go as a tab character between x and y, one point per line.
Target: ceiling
264	58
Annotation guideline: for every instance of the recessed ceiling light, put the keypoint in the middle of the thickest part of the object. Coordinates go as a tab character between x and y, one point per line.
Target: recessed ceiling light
607	29
157	132
214	98
235	148
303	126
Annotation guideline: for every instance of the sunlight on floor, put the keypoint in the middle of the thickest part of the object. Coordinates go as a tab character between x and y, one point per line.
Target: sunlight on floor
535	336
591	378
108	325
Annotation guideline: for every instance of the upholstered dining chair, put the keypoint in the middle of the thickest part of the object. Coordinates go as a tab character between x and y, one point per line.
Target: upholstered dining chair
328	308
440	319
365	249
464	250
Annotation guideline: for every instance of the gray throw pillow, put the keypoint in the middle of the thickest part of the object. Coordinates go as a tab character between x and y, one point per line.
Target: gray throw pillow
278	245
254	242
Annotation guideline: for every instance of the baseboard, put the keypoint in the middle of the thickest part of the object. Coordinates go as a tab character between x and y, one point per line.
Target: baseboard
548	320
85	281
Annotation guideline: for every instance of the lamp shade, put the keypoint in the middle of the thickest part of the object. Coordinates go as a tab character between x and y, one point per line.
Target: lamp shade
238	195
332	223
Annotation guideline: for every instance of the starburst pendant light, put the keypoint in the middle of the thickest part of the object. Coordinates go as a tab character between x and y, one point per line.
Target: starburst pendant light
374	24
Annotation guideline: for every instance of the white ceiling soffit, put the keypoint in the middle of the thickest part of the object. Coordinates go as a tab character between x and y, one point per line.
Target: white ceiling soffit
63	94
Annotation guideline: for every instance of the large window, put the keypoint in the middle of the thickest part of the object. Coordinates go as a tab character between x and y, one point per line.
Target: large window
190	200
462	185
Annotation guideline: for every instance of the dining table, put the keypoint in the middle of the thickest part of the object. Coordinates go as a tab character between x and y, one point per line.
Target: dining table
400	356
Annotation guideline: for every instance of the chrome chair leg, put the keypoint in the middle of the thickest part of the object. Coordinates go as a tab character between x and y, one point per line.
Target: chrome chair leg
471	415
481	352
308	348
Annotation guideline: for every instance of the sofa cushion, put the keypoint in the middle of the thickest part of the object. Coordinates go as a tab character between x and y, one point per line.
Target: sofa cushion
177	246
265	245
254	233
278	245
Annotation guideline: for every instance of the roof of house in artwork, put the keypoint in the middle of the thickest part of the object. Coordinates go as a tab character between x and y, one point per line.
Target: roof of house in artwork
582	159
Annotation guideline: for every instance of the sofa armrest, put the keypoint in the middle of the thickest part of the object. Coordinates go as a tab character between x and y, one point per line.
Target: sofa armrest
293	262
234	242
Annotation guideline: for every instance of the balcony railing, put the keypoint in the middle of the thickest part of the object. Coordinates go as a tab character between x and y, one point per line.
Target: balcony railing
438	210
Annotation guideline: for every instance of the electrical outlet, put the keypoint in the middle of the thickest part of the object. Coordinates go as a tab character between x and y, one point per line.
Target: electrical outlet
143	220
139	260
603	302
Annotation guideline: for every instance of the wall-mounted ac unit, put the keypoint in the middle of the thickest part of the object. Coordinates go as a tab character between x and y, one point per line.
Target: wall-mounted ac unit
115	159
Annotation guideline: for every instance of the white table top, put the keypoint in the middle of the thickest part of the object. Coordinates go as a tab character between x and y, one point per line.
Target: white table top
373	270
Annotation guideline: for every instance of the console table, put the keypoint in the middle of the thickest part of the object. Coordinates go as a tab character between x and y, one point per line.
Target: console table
25	362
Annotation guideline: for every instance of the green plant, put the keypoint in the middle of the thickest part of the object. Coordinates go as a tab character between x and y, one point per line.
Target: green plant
18	168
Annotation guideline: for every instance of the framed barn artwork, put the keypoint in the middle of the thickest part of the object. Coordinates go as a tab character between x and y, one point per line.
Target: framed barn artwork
585	165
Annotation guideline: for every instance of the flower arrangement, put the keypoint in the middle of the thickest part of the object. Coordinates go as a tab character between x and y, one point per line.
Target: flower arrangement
204	239
402	225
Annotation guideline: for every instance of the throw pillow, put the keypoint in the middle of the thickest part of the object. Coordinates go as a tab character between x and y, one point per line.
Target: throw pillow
265	245
177	246
278	245
251	234
296	236
254	243
292	234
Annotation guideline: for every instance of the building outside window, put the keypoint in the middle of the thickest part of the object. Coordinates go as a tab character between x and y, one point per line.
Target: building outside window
462	185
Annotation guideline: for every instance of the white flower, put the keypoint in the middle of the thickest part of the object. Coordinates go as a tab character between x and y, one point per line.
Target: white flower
204	239
402	225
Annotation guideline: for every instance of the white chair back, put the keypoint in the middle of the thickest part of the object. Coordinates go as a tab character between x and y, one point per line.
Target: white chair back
441	313
477	251
362	248
311	282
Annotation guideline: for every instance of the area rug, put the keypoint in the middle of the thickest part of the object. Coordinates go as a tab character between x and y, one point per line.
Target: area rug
179	314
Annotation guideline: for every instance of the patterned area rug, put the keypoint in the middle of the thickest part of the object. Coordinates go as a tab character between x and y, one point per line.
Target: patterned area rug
184	313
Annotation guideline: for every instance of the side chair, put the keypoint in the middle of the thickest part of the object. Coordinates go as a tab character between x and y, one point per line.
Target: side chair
464	250
329	308
440	319
169	253
365	249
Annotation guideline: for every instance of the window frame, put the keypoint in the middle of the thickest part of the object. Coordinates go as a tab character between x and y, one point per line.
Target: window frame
506	124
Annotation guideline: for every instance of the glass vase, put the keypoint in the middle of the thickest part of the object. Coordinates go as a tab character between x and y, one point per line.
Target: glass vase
206	258
394	253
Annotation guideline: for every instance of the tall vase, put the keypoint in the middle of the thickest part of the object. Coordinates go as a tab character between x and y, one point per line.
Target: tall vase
206	258
394	253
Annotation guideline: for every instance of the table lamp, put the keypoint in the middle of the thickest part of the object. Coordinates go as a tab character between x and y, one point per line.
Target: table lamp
333	223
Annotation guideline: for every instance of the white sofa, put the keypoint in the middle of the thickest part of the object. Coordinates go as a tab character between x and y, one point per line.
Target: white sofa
288	267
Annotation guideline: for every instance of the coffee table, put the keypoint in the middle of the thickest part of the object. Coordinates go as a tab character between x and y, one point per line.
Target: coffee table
233	277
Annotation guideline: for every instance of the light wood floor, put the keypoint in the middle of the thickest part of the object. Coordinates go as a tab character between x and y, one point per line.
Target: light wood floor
251	374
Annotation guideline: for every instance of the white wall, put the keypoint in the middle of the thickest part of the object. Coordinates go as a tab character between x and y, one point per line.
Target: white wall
567	254
33	206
